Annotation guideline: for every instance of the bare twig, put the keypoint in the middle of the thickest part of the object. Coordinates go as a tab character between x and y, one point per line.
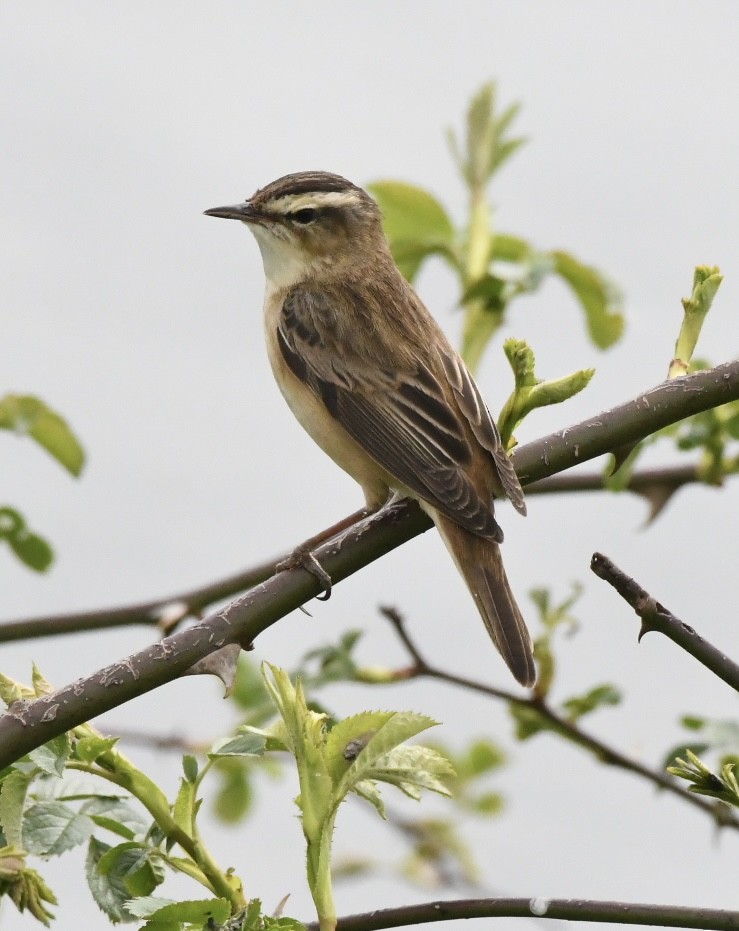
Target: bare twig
641	482
720	814
28	724
628	913
656	617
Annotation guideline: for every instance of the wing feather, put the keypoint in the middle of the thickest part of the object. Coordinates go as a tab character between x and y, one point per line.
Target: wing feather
402	419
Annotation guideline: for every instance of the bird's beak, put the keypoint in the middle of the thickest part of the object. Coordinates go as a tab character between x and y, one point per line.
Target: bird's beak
245	212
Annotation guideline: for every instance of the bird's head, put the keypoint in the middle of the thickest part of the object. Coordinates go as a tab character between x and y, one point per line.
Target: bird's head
310	224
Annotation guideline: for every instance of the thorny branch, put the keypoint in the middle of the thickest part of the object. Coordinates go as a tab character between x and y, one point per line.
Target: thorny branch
423	669
656	616
28	724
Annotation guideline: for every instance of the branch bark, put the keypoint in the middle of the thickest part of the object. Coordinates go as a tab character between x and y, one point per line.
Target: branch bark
627	913
660	406
27	724
656	616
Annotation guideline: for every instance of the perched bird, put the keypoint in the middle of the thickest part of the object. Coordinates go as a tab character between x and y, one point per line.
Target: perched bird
370	375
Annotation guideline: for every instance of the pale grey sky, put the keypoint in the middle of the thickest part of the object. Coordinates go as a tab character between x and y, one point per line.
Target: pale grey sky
140	320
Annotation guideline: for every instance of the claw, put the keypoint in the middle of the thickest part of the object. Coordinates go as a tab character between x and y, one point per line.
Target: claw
307	561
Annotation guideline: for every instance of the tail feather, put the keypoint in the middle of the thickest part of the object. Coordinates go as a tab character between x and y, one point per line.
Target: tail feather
481	566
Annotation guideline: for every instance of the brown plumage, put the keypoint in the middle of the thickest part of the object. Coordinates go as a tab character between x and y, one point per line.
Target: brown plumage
373	379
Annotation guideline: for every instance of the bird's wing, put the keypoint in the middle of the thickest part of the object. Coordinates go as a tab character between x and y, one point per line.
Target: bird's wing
402	419
473	407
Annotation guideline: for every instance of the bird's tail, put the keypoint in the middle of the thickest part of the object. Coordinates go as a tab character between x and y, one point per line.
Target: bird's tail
481	566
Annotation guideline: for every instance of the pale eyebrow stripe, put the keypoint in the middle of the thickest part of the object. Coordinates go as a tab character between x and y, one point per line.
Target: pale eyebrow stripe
288	203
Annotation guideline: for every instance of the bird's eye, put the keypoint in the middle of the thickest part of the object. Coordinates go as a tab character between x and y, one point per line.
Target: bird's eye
306	215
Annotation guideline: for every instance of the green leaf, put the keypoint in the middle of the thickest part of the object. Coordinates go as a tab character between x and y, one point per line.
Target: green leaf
88	749
190	767
488	803
528	721
30	416
597	697
373	761
600	299
51	757
108	889
235	795
335	662
247	743
507	248
116	815
51	828
482	757
29	547
32	550
207	912
348	738
415	224
138	866
413	768
13	791
183	809
681	751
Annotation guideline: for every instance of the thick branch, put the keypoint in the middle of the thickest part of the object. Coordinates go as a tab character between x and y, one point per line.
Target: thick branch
627	913
29	724
656	617
535	462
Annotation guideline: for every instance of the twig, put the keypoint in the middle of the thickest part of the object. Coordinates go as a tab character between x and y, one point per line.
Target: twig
28	724
163	611
656	617
640	483
535	462
721	815
628	913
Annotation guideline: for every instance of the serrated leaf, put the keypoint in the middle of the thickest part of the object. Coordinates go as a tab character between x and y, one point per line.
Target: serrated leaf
599	298
283	923
367	790
52	756
398	727
247	743
88	749
116	815
27	415
108	890
13	791
414	768
204	912
349	737
415	224
50	828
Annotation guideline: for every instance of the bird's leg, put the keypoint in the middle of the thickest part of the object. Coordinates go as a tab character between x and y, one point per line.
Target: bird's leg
303	555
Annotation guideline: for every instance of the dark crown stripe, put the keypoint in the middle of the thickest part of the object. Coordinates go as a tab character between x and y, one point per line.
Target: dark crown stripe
305	182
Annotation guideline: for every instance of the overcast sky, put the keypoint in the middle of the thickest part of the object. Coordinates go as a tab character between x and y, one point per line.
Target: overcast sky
140	320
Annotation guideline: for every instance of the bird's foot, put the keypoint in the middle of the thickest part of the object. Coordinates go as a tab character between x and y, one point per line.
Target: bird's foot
305	559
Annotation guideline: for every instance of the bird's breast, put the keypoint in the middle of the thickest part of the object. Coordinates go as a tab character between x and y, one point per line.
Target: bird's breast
315	419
